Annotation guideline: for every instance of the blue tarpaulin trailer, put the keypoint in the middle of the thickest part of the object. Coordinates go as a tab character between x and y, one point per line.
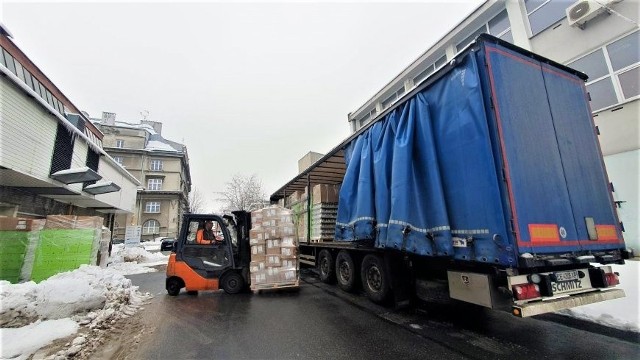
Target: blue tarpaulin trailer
490	171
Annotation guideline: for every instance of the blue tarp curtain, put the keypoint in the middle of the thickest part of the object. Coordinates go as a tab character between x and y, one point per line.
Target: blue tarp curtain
392	181
394	188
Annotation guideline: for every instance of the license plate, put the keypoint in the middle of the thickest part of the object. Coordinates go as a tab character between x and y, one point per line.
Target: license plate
567	275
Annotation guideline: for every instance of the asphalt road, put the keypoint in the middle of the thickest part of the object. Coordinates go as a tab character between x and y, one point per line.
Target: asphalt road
322	322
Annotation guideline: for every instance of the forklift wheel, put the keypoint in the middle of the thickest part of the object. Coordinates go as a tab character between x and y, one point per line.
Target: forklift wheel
173	286
232	283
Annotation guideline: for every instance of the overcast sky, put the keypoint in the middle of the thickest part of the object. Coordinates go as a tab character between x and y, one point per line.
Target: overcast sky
247	87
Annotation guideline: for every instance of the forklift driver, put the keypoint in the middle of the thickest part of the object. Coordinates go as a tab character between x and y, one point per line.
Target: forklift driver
206	236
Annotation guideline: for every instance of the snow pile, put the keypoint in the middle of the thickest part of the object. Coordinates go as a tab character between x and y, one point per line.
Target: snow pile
90	296
135	254
619	313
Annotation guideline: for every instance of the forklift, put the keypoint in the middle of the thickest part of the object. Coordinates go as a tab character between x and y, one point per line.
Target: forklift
220	263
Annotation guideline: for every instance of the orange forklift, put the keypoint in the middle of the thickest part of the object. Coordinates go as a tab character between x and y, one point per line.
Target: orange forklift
219	263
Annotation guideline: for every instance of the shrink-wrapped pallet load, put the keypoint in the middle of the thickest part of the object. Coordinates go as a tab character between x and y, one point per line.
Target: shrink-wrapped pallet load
274	252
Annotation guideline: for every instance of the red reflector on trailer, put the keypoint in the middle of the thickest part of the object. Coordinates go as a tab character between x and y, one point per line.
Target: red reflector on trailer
526	291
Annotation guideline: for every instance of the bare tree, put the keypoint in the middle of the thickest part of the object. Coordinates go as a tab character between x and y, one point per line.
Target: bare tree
243	192
196	201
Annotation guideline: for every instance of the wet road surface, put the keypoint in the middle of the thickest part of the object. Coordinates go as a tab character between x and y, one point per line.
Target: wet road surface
321	322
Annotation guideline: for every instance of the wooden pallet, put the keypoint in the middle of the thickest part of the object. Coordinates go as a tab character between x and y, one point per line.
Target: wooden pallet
315	241
275	287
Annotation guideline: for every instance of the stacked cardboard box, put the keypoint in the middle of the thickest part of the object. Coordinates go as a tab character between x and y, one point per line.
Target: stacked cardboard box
274	252
323	221
324	212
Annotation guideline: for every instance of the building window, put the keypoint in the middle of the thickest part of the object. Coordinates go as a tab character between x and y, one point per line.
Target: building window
544	13
62	150
118	159
20	72
154	184
152	207
8	60
93	161
498	26
613	71
393	97
119	143
156	165
151	227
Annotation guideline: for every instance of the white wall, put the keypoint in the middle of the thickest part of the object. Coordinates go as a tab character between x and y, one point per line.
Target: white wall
125	199
624	173
27	133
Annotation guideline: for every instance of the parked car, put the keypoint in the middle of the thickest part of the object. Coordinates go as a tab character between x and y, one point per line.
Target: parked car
167	244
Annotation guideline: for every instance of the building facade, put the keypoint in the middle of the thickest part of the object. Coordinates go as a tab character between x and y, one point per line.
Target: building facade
51	156
598	37
161	166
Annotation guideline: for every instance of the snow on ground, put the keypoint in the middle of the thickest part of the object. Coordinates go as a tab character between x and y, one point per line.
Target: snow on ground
87	299
619	313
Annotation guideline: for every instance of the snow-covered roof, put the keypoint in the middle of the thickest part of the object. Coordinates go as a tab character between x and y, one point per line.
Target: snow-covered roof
122	124
155	143
158	143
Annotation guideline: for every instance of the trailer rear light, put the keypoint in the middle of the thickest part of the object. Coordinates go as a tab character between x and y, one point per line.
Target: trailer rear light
612	279
603	277
526	291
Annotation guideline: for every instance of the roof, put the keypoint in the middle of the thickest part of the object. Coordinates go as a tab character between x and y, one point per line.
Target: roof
155	142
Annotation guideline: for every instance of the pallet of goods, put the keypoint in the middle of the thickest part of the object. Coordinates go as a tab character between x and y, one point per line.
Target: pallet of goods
274	251
324	212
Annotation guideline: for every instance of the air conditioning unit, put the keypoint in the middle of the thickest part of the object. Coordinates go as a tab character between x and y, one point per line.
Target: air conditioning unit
584	10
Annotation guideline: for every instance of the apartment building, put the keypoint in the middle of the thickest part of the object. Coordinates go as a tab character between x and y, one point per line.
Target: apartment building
161	166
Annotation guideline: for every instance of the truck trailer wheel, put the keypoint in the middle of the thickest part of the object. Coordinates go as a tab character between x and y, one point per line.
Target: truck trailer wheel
345	271
232	283
173	286
326	268
375	281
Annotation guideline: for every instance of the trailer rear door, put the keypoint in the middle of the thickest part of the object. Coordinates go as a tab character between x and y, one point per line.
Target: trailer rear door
556	181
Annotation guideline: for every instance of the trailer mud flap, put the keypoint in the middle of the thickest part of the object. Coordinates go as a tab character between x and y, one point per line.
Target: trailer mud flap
542	307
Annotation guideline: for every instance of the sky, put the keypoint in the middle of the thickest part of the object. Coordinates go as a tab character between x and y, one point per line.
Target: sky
53	309
248	87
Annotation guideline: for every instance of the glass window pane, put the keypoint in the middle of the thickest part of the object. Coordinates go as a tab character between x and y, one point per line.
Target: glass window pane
423	75
2	58
470	38
8	59
508	37
28	79
20	72
43	91
602	94
625	51
441	61
547	15
593	65
532	4
629	81
499	23
49	97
